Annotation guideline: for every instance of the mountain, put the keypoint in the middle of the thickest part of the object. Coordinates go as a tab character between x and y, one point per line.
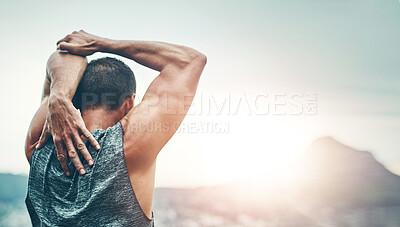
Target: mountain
335	174
12	196
12	187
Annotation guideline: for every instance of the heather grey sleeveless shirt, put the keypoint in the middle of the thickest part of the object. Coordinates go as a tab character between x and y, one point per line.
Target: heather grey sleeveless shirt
102	197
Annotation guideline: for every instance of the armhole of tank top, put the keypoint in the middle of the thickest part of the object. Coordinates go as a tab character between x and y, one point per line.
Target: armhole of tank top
146	218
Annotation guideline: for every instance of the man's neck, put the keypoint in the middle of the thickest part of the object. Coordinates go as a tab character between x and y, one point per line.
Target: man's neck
100	119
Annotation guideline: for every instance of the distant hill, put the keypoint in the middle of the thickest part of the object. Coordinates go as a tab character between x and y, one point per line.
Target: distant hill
335	185
338	175
12	187
12	196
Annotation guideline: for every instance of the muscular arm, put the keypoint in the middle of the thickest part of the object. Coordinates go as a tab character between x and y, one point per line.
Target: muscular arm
63	74
64	71
153	122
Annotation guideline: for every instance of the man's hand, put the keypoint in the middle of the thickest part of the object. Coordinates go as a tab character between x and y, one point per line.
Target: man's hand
65	124
80	43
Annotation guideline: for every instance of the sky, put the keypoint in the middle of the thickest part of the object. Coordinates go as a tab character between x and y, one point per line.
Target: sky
280	74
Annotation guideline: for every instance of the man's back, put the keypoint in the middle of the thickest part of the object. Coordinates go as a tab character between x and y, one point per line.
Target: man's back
103	196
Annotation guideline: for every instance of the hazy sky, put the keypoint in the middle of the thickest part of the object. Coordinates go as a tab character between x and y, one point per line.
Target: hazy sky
346	52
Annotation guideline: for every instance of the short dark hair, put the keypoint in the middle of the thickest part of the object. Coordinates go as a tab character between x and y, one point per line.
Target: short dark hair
106	83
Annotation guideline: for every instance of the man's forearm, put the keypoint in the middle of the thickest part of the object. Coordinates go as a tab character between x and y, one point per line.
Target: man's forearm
155	55
59	118
64	72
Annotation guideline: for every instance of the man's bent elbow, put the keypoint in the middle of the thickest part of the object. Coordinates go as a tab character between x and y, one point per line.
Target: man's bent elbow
191	57
198	58
202	58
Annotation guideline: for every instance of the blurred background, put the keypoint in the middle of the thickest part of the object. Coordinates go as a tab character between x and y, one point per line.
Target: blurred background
296	121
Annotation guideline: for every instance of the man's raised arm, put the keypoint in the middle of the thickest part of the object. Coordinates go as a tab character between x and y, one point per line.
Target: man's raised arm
57	116
167	99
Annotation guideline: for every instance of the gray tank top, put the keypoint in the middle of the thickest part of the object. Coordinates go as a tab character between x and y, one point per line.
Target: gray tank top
102	197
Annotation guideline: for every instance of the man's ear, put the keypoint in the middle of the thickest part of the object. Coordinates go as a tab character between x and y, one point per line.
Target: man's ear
129	103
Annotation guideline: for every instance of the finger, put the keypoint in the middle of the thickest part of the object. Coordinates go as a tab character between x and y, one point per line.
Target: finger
73	155
82	148
70	47
62	156
43	138
65	39
90	137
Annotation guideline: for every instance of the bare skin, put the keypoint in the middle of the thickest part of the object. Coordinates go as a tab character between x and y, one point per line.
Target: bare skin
165	103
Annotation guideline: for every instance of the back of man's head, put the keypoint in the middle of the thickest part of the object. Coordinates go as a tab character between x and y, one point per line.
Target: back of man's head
106	83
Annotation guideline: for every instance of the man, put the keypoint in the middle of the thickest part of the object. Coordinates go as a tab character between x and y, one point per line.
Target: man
112	182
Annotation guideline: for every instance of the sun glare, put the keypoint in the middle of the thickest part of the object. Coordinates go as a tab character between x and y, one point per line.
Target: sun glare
266	155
